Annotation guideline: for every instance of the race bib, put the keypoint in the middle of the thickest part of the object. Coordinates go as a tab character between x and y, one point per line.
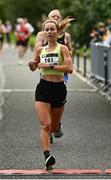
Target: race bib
51	58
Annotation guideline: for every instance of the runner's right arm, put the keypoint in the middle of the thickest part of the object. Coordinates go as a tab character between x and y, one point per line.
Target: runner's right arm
33	64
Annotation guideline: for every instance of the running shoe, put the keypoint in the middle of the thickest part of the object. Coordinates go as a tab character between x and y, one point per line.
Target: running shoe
20	62
58	133
49	162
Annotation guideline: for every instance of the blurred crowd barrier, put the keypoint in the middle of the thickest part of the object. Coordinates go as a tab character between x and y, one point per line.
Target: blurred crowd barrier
95	67
101	62
101	68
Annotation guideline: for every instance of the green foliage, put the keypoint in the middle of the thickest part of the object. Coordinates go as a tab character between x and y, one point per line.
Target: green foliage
32	40
2	13
12	37
88	13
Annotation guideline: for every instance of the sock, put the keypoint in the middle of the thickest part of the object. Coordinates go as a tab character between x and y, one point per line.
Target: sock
46	154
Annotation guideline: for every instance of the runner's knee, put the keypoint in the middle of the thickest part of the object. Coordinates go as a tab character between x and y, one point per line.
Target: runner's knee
46	127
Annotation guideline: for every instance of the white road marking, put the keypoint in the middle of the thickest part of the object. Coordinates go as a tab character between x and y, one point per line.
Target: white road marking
32	90
2	84
84	80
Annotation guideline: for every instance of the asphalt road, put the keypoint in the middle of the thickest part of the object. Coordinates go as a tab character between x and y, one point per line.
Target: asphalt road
86	143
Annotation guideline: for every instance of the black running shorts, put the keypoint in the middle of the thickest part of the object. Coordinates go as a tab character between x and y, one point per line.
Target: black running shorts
23	43
51	92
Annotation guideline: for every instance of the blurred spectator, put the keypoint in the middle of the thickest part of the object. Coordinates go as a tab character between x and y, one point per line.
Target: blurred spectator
31	30
22	34
108	23
29	26
98	34
94	36
2	32
8	27
107	41
101	31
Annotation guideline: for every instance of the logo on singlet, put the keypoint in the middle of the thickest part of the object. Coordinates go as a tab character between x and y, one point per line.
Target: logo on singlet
51	58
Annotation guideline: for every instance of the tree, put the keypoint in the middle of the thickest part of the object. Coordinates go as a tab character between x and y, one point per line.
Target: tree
2	13
88	13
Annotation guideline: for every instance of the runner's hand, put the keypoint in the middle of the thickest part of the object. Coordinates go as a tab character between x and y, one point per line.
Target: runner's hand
32	65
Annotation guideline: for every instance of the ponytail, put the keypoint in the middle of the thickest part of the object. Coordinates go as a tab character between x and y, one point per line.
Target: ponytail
65	23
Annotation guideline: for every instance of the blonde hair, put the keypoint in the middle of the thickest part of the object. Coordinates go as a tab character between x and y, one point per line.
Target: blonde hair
63	25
